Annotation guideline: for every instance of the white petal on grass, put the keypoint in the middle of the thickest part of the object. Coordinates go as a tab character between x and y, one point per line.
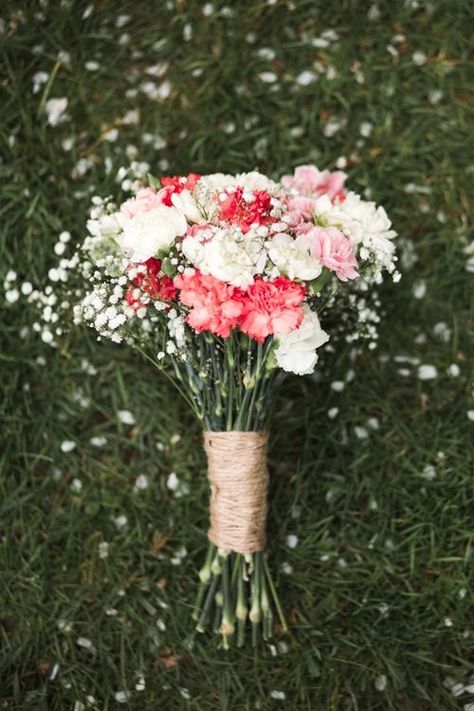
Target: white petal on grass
121	697
55	110
277	695
98	441
120	521
427	372
103	550
381	682
268	77
305	78
419	58
85	643
141	482
292	540
419	289
172	482
76	486
428	472
126	417
470	415
68	445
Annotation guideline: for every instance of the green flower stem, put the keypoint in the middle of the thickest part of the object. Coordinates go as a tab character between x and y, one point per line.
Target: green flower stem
204	616
204	576
241	610
232	583
228	626
276	599
255	609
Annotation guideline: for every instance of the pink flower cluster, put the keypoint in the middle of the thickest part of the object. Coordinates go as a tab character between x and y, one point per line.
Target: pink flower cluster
311	182
266	307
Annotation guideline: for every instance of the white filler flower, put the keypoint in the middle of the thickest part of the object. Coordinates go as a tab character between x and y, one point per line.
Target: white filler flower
148	232
296	352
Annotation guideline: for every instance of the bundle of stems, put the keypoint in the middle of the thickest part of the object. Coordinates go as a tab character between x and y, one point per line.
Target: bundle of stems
229	384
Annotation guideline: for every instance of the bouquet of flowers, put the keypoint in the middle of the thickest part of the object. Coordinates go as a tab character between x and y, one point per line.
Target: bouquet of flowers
221	281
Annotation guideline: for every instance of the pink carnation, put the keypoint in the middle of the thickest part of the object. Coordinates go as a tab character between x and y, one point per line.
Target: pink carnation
145	200
215	306
310	181
300	208
272	307
329	246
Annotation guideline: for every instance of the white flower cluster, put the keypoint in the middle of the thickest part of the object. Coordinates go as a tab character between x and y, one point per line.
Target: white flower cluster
368	226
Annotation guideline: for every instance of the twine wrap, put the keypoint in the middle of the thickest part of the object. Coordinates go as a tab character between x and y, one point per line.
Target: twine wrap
238	475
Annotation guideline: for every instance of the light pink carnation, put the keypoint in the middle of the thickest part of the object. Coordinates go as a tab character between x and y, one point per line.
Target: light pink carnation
300	208
330	247
310	181
145	200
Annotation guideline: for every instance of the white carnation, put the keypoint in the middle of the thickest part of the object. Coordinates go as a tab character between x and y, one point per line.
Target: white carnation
255	181
296	351
185	203
217	181
368	225
228	255
292	257
148	232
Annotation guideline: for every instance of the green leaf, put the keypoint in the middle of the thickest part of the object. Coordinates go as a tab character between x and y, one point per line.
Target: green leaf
153	182
316	285
168	268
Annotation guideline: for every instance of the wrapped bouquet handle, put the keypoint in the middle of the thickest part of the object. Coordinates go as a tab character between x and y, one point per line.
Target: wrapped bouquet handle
238	475
236	572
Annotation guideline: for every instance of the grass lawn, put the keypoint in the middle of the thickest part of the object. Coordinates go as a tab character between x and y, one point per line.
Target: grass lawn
99	543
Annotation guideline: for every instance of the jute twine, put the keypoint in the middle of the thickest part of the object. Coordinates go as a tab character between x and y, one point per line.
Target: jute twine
238	474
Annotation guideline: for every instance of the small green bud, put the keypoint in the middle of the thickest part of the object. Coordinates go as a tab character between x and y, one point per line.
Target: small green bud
255	614
248	381
205	574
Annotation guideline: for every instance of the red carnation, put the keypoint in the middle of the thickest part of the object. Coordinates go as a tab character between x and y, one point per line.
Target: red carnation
272	307
236	210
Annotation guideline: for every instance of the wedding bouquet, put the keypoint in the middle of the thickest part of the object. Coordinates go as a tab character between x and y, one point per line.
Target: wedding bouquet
221	281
